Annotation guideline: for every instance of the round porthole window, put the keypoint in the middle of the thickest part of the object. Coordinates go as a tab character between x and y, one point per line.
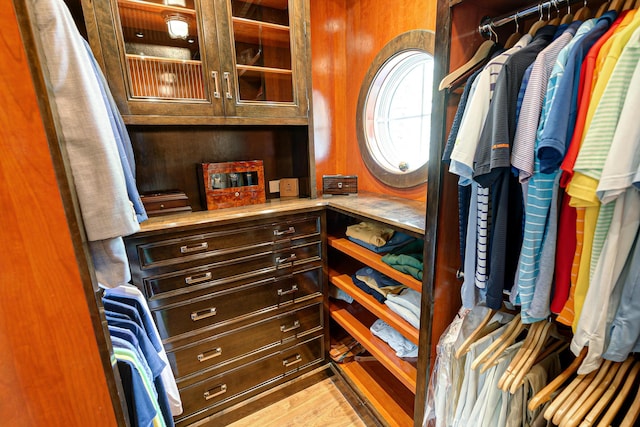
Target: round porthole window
394	110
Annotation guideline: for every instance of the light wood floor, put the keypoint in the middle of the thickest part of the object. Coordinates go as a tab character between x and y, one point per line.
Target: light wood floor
321	405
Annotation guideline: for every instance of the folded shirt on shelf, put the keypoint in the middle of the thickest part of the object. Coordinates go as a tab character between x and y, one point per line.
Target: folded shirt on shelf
368	289
337	293
407	305
379	282
372	234
407	259
402	346
396	241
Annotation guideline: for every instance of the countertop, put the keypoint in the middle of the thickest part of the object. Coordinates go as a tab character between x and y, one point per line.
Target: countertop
395	211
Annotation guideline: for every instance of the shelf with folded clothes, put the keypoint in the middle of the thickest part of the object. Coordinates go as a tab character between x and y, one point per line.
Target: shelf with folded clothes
382	311
374	260
356	320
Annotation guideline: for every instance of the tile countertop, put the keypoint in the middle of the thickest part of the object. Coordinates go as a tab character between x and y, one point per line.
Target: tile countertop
395	211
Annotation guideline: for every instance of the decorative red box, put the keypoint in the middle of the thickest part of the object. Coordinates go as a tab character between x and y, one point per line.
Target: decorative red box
230	184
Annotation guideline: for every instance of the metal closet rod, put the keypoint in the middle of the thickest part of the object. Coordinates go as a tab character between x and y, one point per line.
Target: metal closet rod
487	26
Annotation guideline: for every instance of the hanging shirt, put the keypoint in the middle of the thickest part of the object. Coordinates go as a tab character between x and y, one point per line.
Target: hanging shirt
592	156
566	242
492	161
618	219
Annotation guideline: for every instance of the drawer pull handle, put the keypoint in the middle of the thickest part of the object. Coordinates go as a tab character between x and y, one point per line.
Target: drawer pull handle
227	78
216	90
203	314
210	395
286	363
291	230
199	247
290	258
197	279
295	325
293	289
213	353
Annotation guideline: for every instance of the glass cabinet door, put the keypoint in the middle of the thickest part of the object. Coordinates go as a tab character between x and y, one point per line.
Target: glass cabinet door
162	50
262	50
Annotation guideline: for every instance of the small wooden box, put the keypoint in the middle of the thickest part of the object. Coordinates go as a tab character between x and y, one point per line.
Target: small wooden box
165	202
339	184
231	184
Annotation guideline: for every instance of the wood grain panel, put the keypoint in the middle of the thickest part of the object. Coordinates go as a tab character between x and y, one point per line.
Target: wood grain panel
366	26
50	366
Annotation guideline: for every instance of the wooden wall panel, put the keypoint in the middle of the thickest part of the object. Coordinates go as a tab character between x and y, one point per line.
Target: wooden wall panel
345	38
50	366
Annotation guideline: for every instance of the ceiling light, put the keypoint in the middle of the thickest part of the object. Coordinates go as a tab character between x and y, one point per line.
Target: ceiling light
177	25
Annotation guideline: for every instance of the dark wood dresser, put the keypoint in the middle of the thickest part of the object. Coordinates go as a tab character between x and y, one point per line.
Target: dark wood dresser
238	301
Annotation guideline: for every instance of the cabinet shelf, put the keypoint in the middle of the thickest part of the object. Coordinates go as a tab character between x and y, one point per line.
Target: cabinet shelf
356	321
390	399
344	282
253	69
165	77
146	15
373	260
259	33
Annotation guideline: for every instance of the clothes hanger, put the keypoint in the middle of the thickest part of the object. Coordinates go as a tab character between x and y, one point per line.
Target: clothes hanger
481	55
622	395
529	342
583	13
576	399
538	24
602	9
602	394
630	418
514	37
616	5
549	333
556	20
577	385
568	17
544	395
511	326
475	335
629	4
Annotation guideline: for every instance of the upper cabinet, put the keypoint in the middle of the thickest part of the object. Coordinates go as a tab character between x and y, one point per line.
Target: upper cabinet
205	61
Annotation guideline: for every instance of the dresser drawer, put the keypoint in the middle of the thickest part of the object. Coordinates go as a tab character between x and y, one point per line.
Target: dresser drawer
269	334
291	259
219	307
163	286
298	228
213	246
253	376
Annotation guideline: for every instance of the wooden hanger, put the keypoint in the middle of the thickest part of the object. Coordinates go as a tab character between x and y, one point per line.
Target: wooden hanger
583	13
616	5
529	342
564	394
576	400
630	418
549	333
637	5
602	9
511	326
622	395
481	55
629	4
601	396
544	395
475	335
512	40
577	385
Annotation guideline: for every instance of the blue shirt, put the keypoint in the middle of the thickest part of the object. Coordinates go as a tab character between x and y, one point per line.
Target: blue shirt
564	108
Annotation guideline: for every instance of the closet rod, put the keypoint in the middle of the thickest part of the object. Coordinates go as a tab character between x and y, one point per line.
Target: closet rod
488	24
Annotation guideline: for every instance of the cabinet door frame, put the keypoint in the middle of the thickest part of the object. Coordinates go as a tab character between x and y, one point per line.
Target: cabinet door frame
298	27
113	60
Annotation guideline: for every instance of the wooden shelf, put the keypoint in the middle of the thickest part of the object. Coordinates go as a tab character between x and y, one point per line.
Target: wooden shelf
144	15
253	69
373	260
260	33
385	394
356	322
344	282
